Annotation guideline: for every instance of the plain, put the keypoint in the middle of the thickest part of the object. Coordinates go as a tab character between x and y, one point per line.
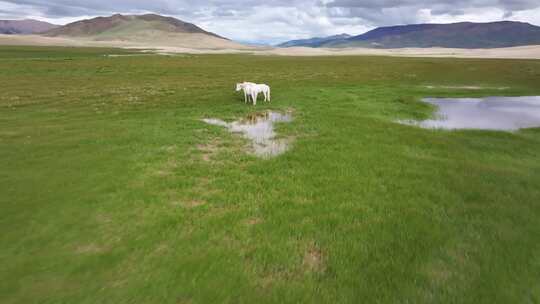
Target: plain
112	189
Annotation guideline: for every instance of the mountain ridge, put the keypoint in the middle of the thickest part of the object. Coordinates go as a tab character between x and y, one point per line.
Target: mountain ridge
25	27
466	35
313	42
127	24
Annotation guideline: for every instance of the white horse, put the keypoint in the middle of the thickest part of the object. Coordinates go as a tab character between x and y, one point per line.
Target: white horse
246	87
265	89
253	90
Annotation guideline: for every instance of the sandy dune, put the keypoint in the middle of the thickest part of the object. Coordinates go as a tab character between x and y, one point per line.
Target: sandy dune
203	44
524	52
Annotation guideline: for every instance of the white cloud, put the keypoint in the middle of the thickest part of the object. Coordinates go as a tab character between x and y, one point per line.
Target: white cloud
531	16
472	15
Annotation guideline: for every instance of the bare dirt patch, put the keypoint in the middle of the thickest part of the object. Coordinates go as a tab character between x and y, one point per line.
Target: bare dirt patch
168	168
253	221
209	150
314	259
190	204
91	248
161	249
438	272
103	218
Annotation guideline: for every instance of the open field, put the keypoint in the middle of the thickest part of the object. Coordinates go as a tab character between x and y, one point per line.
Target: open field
114	191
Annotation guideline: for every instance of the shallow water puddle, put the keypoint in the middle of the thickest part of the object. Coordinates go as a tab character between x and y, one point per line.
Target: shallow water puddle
490	113
259	129
465	87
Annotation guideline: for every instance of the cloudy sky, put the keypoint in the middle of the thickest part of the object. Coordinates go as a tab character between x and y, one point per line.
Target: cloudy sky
272	21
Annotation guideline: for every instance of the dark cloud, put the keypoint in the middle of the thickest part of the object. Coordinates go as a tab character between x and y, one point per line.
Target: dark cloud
380	4
63	8
377	8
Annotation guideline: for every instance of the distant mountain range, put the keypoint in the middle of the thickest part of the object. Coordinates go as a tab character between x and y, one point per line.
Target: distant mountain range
22	27
155	30
455	35
314	42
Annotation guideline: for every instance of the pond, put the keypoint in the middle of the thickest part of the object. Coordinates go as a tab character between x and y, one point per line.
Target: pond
259	129
490	113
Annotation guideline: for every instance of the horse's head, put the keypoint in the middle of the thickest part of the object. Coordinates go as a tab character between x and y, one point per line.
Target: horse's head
239	87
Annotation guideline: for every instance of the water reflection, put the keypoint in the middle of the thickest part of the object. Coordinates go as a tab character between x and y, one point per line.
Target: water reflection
259	129
490	113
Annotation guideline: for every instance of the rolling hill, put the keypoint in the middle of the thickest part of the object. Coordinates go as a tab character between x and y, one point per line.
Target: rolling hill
466	35
149	29
27	26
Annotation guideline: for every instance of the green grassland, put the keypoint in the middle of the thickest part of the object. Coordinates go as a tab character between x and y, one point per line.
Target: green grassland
112	190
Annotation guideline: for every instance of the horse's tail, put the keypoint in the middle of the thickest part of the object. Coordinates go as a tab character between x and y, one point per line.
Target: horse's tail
269	94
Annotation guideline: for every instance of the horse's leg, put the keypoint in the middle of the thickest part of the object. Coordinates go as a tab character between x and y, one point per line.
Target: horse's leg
269	99
254	97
